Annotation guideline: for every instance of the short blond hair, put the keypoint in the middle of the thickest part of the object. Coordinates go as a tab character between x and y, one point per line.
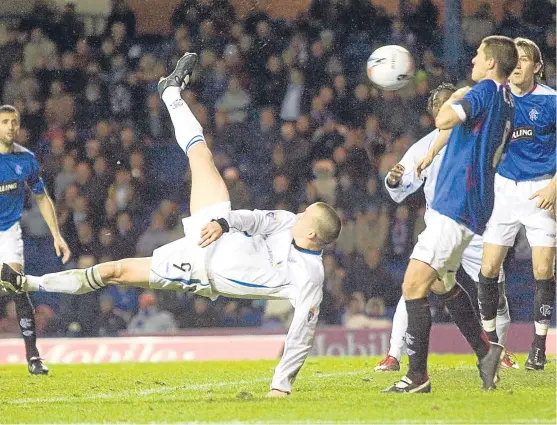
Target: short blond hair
328	224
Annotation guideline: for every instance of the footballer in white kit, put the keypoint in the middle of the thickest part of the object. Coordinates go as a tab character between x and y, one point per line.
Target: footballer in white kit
243	253
401	182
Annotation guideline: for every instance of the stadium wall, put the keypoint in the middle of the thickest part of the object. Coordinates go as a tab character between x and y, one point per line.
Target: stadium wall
153	16
230	344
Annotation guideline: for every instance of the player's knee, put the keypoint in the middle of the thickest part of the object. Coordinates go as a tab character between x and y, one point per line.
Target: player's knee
411	287
491	268
543	271
111	272
439	288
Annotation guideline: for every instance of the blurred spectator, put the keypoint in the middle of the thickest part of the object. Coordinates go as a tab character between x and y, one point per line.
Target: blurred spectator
70	28
202	315
126	238
400	239
234	102
154	237
65	176
39	52
47	323
150	319
110	324
9	322
11	51
421	18
478	26
12	88
368	275
239	194
334	298
121	13
295	101
278	314
362	315
59	107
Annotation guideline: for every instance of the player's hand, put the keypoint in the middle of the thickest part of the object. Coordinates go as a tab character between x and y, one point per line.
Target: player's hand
210	233
546	197
395	175
276	394
62	249
423	164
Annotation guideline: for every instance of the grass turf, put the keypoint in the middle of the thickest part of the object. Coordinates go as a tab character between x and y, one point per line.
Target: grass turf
328	390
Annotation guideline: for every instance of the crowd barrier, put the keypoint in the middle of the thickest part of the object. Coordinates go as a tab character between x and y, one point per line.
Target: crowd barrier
253	344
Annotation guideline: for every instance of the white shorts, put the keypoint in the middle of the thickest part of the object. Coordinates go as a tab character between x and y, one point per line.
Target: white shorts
181	265
11	245
472	259
513	209
442	243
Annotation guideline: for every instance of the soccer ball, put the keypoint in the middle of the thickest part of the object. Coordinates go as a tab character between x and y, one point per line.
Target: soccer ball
390	67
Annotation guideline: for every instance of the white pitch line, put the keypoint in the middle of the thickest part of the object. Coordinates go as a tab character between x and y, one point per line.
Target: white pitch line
193	387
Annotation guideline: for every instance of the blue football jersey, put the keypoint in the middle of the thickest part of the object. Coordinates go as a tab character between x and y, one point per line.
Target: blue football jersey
17	169
531	150
464	189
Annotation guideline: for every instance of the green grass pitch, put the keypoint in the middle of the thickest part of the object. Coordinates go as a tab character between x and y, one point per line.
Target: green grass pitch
328	390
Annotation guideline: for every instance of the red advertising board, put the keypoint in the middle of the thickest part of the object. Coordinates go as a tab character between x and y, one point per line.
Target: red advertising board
228	344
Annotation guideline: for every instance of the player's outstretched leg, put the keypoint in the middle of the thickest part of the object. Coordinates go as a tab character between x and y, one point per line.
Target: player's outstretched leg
208	187
400	322
129	272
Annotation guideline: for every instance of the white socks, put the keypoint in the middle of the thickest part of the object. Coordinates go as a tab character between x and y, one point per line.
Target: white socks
77	281
187	129
503	323
400	323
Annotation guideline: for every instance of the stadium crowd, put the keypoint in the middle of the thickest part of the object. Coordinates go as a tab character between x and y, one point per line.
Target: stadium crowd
286	107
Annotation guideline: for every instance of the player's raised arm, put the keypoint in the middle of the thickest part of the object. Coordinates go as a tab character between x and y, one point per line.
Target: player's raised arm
439	143
451	113
401	181
299	339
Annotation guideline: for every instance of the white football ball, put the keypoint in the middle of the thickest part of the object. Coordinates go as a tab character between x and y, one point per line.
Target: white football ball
390	67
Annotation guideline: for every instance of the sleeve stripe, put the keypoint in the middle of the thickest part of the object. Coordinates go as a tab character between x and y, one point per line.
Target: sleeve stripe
460	111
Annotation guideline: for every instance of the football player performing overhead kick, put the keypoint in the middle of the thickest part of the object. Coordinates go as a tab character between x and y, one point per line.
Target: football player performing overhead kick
243	253
525	196
476	124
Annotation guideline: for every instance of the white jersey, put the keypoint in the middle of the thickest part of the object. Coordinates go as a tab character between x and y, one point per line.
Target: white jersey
256	259
410	183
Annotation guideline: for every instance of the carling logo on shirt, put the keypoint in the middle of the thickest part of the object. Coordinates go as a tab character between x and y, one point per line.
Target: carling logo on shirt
522	133
534	114
8	187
